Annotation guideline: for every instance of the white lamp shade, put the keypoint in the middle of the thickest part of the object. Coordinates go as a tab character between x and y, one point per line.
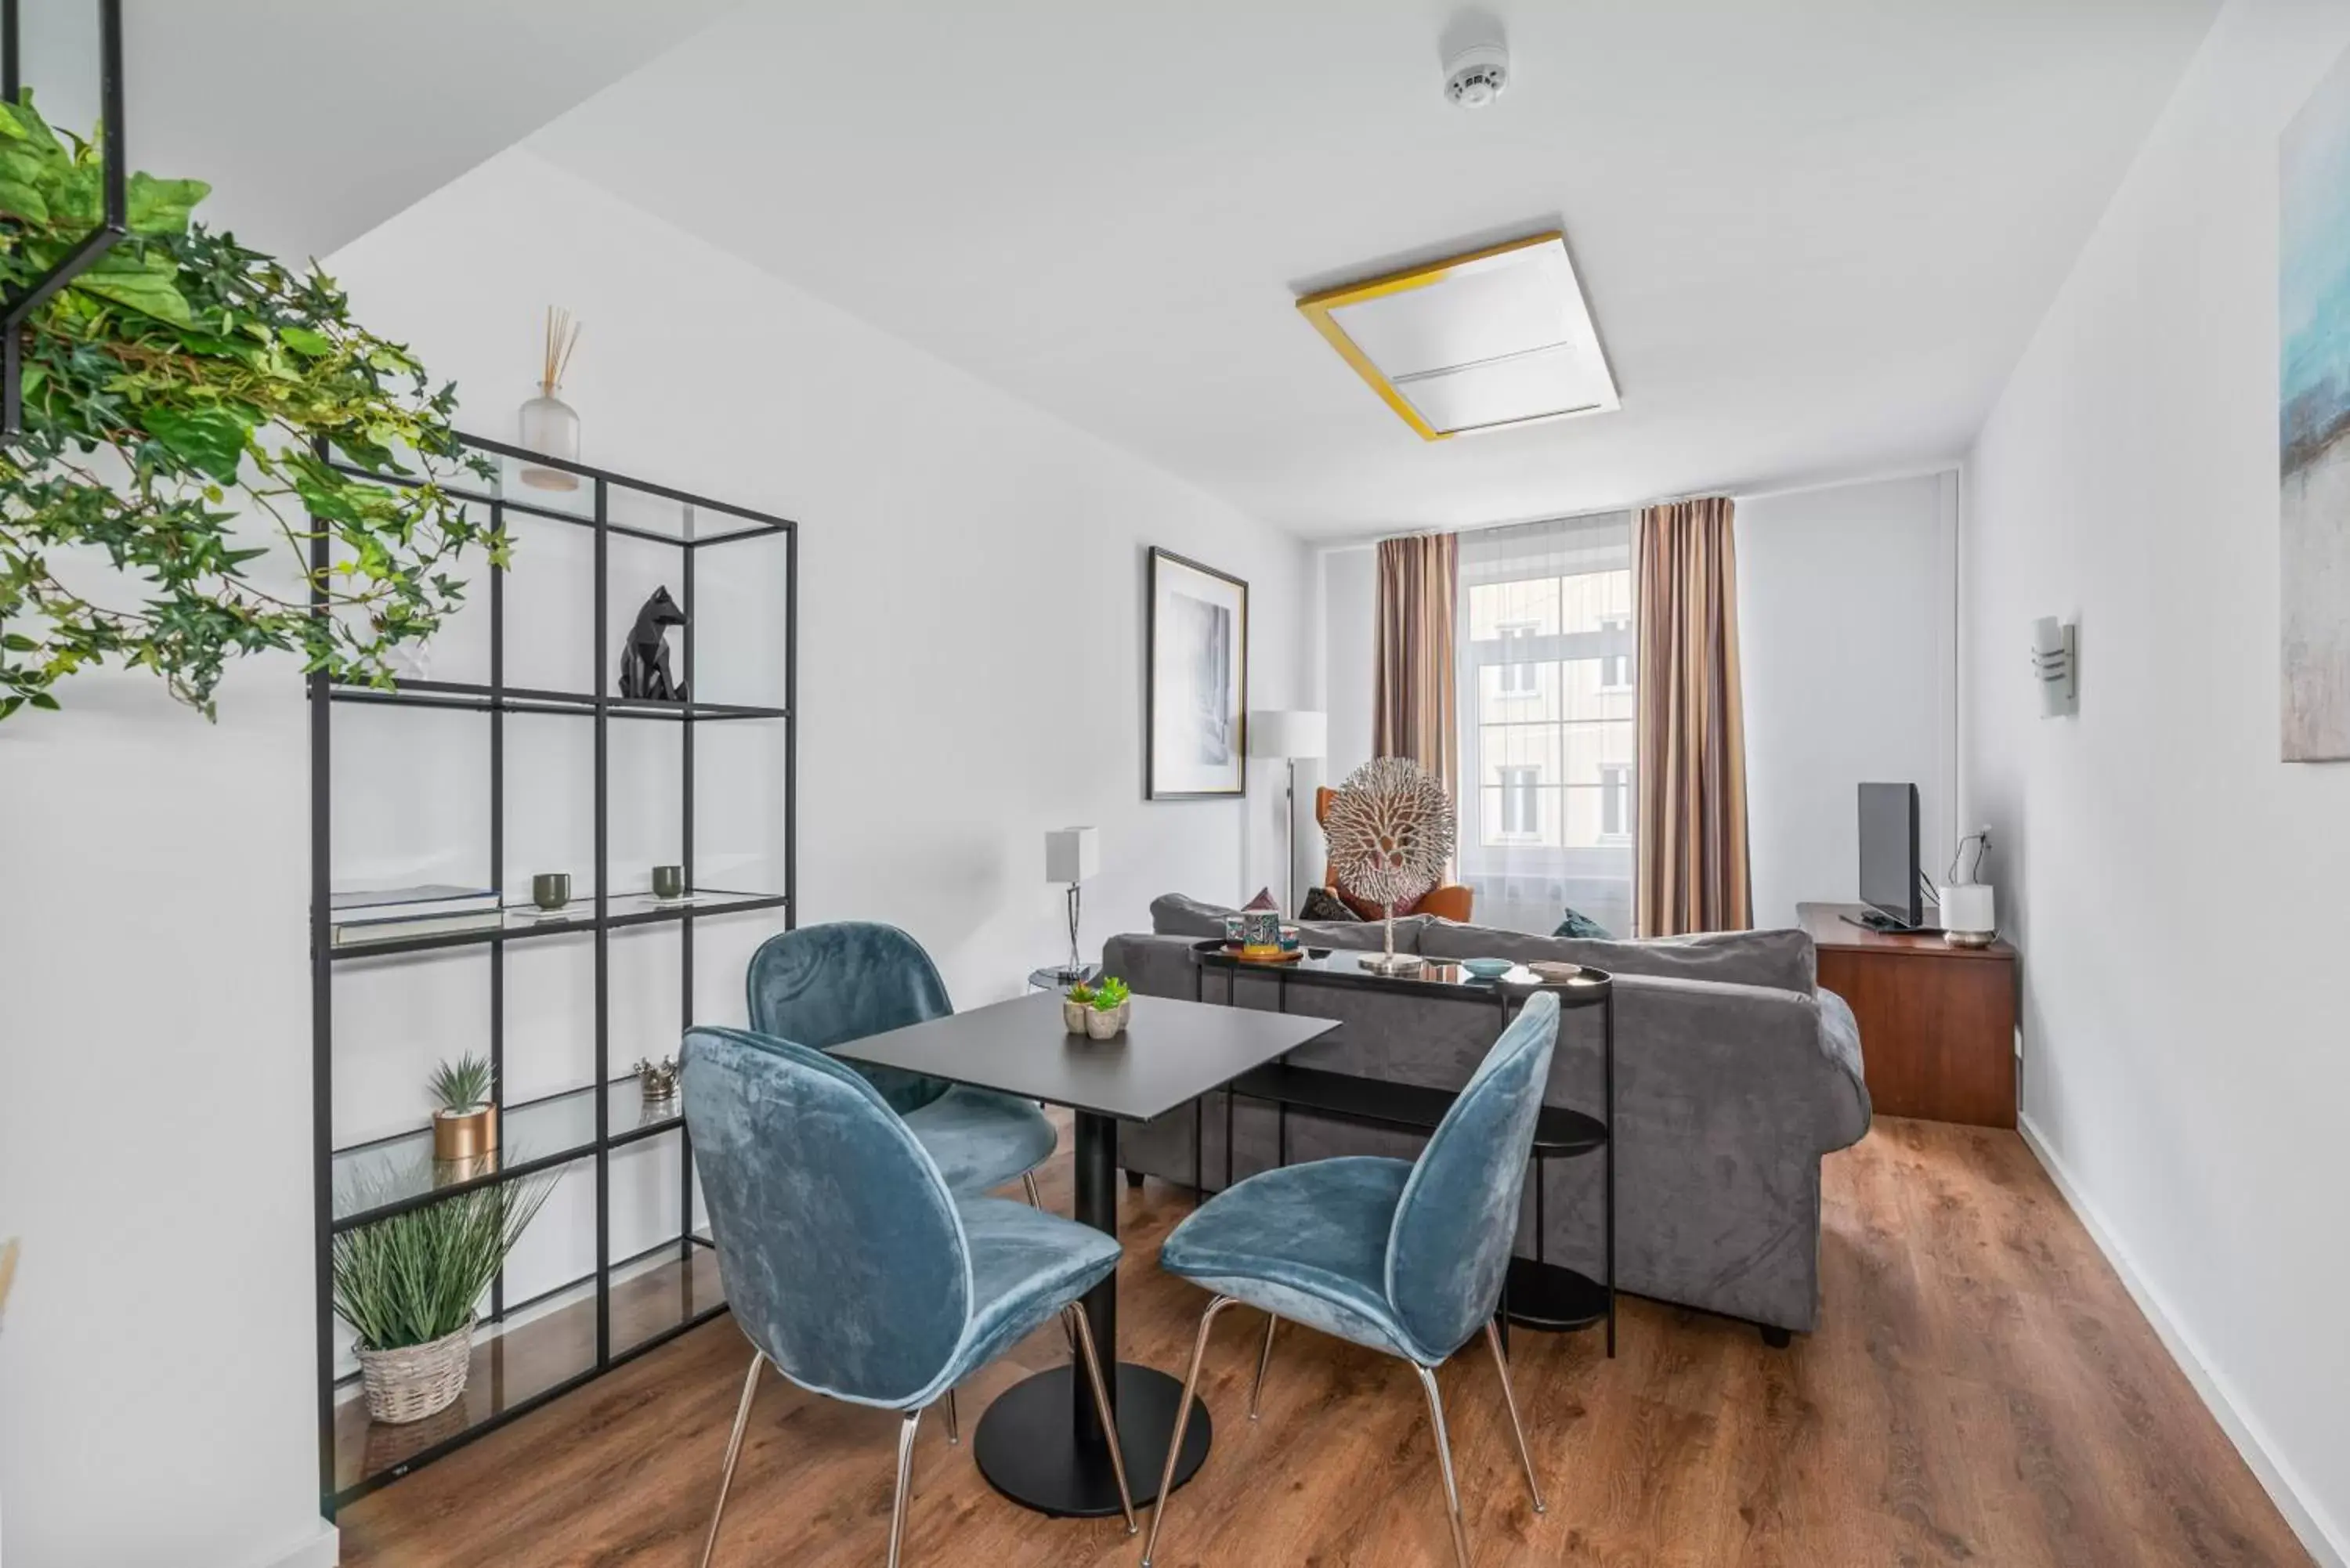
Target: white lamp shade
1288	733
1072	854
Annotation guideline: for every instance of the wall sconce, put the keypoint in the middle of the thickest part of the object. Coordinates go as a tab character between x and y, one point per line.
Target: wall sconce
2056	660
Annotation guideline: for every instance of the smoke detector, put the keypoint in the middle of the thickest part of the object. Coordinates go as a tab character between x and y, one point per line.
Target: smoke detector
1477	75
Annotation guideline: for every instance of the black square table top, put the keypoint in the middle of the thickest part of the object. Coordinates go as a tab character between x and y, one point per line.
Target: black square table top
1171	1053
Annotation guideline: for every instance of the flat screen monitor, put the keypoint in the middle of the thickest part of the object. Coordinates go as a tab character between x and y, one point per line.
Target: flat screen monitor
1888	852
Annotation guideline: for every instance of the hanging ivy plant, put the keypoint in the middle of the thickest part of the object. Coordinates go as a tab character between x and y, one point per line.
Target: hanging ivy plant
174	395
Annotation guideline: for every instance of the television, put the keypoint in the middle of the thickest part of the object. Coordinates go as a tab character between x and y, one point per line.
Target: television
1889	856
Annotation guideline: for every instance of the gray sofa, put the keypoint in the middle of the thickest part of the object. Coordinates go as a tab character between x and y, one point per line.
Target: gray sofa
1734	1074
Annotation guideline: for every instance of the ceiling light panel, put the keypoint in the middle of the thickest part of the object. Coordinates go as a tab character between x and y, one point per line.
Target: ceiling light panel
1500	336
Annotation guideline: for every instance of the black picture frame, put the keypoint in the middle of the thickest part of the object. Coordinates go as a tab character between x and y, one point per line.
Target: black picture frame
1161	783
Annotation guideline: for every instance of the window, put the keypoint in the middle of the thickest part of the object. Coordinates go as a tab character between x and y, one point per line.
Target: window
1547	650
1615	800
1615	667
1517	675
1521	802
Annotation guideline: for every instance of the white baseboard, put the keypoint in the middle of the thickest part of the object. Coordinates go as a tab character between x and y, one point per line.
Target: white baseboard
322	1548
2325	1541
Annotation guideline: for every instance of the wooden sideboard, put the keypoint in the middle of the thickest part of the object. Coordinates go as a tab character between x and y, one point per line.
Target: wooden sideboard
1937	1022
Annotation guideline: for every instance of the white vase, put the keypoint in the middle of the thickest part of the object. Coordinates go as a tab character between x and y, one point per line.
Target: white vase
551	428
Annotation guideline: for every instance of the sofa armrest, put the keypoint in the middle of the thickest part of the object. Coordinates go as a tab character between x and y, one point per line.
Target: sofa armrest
1766	1047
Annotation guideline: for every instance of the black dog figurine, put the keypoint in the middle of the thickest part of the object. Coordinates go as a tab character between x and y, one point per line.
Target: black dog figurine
644	660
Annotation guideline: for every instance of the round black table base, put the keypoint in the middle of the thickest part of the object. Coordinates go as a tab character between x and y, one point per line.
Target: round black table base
1026	1444
1553	1298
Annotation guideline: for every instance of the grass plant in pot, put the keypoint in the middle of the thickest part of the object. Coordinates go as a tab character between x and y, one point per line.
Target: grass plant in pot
407	1286
464	1122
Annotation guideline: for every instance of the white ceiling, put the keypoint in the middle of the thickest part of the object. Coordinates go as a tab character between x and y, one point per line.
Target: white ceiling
316	120
1814	236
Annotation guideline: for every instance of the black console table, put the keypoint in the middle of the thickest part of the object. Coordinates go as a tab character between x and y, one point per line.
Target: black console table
1540	1294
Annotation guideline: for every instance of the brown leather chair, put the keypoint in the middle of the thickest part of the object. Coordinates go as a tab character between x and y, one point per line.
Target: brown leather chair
1452	902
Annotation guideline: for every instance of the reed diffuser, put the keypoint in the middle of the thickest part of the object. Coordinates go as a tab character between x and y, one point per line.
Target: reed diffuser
549	425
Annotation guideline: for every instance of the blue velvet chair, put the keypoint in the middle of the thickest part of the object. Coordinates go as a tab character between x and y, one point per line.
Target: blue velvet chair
849	1263
822	986
1405	1257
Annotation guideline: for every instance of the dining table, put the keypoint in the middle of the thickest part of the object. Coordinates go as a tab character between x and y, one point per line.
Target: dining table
1041	1443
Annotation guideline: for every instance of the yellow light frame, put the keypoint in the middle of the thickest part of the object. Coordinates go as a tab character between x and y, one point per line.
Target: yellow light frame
1316	308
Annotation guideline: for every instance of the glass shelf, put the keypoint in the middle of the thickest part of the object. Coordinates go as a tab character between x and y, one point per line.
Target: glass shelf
471	696
390	1175
525	1364
518	922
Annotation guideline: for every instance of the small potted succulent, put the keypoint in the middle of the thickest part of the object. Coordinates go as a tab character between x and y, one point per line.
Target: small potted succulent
1112	1002
1076	1006
464	1123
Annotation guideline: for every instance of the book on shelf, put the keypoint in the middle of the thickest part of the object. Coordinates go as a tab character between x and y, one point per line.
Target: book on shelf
397	914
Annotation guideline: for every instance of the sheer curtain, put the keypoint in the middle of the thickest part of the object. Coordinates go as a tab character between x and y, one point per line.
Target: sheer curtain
1545	662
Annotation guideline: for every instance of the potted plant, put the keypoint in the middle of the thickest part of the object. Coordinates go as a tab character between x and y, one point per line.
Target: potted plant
464	1122
1076	1006
406	1286
194	414
1112	1002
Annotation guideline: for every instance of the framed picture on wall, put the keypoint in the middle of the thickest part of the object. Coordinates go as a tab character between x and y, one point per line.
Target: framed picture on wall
1196	731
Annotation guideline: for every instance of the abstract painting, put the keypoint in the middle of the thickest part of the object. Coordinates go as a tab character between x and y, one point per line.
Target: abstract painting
2314	422
1197	739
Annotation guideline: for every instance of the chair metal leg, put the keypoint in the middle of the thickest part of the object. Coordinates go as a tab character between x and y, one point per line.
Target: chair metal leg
1076	1315
954	1427
1444	1462
1509	1401
1028	1180
733	1451
1182	1419
912	1424
1264	1360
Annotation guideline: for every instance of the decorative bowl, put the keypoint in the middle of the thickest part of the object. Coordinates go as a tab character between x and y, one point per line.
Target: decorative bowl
1489	967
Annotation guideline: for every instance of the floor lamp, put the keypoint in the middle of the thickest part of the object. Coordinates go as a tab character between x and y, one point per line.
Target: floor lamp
1293	735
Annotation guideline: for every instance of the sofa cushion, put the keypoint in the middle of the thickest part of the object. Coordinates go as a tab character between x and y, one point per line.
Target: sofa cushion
1322	904
1180	915
1783	959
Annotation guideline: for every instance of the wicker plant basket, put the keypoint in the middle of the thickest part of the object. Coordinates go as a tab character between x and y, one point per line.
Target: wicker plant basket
417	1380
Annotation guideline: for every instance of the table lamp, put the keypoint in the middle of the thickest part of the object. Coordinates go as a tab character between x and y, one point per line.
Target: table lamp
1071	855
1291	734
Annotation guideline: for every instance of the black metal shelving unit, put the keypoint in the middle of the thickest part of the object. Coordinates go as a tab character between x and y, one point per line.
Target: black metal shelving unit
518	1369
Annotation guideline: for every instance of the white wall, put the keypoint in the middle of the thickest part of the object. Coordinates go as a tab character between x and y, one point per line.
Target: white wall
156	1397
971	603
1847	648
971	644
1349	643
2176	890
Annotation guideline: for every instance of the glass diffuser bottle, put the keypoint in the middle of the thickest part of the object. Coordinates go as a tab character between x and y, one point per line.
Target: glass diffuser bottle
550	426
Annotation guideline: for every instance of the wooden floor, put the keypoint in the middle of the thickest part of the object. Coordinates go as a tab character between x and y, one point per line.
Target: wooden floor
1981	1390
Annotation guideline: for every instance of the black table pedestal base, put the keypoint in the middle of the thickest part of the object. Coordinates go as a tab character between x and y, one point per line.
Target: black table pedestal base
1028	1447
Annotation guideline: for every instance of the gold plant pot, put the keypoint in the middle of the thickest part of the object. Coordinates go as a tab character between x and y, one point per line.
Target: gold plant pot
466	1134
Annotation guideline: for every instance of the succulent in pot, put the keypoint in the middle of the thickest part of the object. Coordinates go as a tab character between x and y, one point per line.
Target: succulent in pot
408	1284
1076	1006
464	1121
1112	1005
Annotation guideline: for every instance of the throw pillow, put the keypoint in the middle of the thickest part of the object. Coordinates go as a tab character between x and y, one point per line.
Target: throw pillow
1578	924
1321	904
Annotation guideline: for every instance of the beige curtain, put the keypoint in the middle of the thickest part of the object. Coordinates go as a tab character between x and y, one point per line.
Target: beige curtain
1691	824
1413	700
